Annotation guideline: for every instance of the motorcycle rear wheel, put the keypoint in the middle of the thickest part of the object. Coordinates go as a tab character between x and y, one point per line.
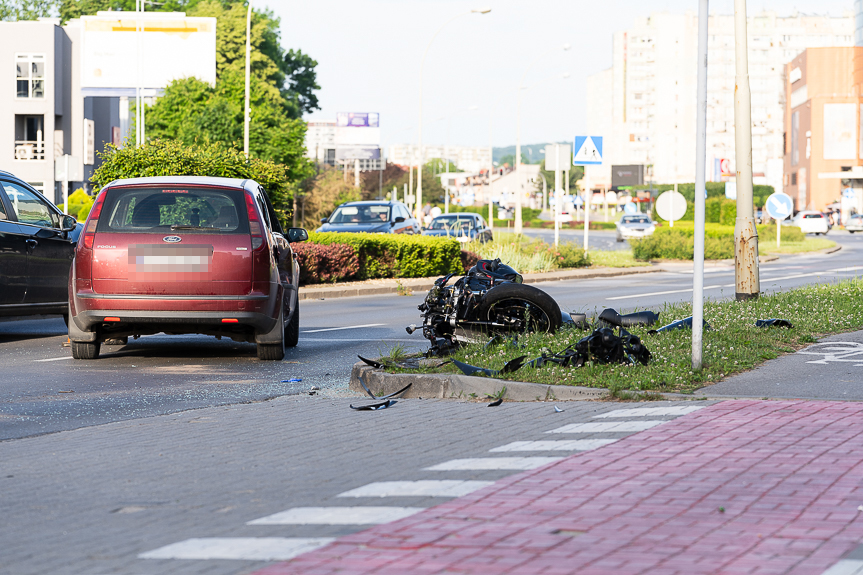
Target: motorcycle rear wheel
512	303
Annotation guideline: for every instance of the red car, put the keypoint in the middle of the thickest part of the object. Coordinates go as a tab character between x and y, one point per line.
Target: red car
184	255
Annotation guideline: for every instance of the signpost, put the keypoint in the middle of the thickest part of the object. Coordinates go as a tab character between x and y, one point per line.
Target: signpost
557	160
671	206
779	206
588	152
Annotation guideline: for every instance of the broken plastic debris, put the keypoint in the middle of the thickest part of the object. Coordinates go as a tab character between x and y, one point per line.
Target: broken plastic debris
558	410
374	406
371	362
579	319
293	380
611	317
679	324
373	396
511	366
773	322
496	402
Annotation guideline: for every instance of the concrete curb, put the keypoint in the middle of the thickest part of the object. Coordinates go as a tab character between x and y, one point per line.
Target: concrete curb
391	286
452	385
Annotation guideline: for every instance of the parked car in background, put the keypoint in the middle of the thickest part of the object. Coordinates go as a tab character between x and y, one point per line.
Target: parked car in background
811	222
855	223
464	227
634	226
373	217
185	255
37	243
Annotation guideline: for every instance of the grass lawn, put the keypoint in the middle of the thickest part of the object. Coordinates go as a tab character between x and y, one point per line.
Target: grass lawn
614	259
733	344
768	246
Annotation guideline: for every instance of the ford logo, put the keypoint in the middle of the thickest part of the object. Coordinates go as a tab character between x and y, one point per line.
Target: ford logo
172	239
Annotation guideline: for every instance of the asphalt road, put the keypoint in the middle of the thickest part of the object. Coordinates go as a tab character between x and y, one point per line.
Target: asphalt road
598	239
43	390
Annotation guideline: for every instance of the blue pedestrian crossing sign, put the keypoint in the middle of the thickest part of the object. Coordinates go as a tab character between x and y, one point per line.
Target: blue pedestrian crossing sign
588	151
780	206
630	208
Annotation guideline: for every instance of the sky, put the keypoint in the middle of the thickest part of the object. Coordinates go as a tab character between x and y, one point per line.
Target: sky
369	55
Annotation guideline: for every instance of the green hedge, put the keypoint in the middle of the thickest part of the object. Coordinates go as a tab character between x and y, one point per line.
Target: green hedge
397	256
678	243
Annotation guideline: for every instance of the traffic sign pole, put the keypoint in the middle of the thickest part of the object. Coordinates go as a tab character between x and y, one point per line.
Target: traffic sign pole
588	152
700	178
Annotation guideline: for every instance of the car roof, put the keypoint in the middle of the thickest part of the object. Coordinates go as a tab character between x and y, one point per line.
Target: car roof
187	180
370	203
458	215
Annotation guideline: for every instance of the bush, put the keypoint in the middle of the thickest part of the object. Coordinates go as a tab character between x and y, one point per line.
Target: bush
173	158
679	242
570	255
728	213
395	256
713	210
79	204
326	263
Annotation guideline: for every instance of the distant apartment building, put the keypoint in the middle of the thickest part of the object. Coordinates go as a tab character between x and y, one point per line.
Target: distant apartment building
469	159
645	104
73	85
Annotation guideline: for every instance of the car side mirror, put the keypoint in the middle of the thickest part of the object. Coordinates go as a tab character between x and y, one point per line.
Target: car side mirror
68	223
297	235
399	219
324	220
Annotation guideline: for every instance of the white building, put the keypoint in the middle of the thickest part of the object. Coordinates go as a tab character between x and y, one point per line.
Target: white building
644	106
469	159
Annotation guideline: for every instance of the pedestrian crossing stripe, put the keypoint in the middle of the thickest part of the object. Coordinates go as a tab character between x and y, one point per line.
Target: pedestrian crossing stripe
493	463
337	516
556	445
651	411
422	488
245	548
607	427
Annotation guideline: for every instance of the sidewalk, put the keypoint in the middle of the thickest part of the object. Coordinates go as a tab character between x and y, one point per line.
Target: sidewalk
739	487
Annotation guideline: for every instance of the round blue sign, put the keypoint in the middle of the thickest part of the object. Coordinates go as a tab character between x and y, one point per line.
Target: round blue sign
630	208
780	206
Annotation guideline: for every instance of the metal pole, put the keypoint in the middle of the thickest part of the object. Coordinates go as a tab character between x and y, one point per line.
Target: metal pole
587	197
557	193
247	109
700	178
66	184
746	274
518	191
138	84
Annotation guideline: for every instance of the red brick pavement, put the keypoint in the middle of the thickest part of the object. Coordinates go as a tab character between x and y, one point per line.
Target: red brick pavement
789	476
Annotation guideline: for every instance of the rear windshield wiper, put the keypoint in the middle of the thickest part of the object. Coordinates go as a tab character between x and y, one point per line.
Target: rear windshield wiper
176	227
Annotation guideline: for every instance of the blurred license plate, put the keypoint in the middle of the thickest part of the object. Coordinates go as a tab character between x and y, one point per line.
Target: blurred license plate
195	258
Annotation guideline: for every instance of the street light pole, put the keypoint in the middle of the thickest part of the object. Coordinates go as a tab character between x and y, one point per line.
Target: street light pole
419	193
700	178
518	172
746	276
247	108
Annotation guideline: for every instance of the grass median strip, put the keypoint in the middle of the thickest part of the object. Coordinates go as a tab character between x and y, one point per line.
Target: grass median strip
733	344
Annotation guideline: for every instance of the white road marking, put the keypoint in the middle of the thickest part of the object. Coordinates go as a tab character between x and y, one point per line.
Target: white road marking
656	293
606	426
427	488
847	269
647	411
245	548
846	567
337	516
346	327
556	445
53	358
483	463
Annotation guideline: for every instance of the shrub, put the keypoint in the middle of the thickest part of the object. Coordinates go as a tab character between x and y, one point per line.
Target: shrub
326	263
728	213
174	158
679	242
570	255
79	204
713	210
396	256
469	259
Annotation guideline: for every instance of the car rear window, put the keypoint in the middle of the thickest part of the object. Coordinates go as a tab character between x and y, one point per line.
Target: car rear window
165	208
809	216
361	214
635	220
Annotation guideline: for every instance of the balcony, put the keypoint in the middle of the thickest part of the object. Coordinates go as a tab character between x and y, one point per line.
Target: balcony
29	150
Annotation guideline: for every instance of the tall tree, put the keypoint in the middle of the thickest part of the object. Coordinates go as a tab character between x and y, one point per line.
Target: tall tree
13	10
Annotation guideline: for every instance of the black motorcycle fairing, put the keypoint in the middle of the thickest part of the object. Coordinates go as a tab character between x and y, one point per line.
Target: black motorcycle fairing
496	271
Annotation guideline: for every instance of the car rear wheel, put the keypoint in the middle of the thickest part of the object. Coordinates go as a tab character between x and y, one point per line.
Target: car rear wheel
292	332
85	350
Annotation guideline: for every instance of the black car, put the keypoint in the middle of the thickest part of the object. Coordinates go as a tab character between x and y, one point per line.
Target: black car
463	226
37	243
372	217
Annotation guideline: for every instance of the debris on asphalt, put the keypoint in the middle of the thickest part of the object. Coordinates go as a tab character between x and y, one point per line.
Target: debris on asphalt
558	410
773	322
371	362
511	366
685	323
408	363
66	391
610	317
376	398
314	390
496	402
374	406
293	380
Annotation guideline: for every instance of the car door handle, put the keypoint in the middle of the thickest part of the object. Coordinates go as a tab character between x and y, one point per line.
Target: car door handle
31	243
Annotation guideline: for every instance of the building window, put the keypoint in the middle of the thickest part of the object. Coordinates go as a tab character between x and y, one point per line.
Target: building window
795	138
793	178
30	75
29	137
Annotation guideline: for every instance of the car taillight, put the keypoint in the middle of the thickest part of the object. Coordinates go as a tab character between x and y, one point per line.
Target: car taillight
92	221
256	230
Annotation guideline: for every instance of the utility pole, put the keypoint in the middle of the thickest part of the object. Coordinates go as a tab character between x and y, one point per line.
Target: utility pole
746	276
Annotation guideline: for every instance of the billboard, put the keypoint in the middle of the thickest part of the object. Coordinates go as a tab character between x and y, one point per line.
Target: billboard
171	47
358	119
627	176
358	153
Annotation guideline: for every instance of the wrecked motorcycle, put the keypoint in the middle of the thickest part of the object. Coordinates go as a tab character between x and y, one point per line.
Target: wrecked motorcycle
491	299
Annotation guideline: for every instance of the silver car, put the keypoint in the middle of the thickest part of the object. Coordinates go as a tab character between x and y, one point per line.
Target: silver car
634	226
854	223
